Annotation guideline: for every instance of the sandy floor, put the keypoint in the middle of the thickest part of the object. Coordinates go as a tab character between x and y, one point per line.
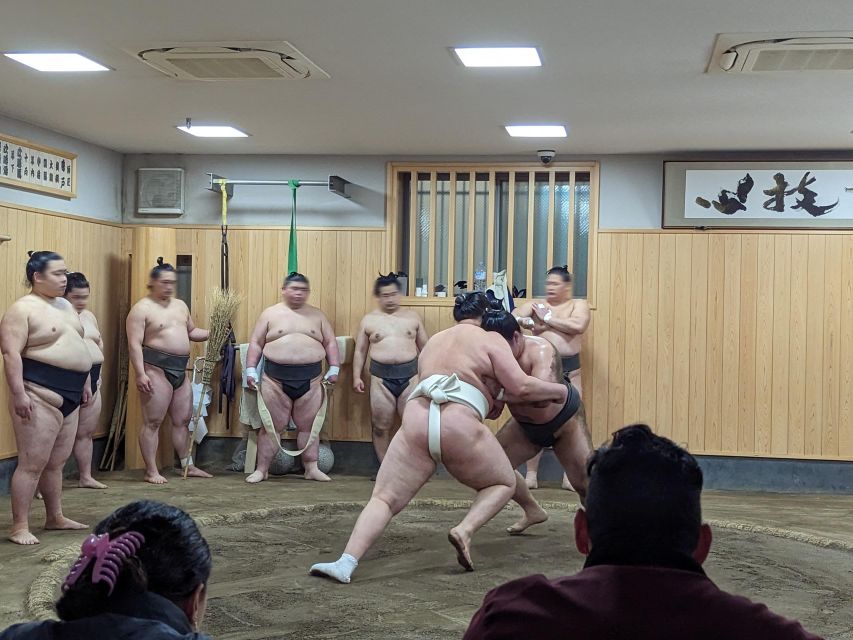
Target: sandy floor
410	586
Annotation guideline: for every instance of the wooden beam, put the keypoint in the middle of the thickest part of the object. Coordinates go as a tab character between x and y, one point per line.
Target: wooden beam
570	246
472	218
531	190
490	229
413	225
451	235
550	259
510	230
432	238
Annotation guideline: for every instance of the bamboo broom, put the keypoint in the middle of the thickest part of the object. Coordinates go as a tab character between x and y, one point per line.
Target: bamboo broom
223	304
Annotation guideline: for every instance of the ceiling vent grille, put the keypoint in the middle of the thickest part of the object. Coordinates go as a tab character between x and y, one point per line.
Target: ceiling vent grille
219	61
802	54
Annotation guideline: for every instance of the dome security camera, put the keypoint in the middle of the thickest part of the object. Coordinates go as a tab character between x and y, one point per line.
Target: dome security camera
546	156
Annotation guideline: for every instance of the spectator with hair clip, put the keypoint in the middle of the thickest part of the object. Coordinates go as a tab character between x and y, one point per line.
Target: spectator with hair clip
142	574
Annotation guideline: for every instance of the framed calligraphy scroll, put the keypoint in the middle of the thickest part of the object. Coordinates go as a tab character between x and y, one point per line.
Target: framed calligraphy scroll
758	195
36	167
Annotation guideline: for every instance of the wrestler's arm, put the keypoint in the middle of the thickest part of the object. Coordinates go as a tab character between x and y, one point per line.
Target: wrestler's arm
14	331
515	382
330	342
257	341
421	337
135	325
546	366
576	323
195	334
359	356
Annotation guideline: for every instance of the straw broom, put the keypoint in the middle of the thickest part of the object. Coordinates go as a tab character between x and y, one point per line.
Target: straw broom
223	304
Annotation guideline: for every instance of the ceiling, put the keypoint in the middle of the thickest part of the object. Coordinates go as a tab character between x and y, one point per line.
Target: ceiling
625	76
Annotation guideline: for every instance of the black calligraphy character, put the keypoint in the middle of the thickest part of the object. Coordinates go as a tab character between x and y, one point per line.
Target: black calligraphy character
808	201
777	194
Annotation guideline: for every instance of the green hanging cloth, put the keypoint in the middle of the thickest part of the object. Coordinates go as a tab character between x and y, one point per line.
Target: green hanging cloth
292	260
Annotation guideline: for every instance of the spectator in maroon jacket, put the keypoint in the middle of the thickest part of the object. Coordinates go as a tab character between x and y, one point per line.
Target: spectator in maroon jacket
643	536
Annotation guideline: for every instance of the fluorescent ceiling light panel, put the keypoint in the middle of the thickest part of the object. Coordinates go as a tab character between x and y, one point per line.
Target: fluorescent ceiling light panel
498	56
213	131
57	62
536	131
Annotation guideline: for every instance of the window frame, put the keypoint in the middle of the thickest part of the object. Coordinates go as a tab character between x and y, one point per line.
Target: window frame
393	223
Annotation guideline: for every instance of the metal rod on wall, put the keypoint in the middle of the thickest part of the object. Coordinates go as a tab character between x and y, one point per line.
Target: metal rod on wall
336	184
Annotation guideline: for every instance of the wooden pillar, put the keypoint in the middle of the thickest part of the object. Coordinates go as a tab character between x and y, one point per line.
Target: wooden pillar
149	243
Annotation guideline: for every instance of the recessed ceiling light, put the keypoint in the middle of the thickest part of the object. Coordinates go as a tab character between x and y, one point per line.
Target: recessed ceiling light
536	131
498	56
57	62
213	131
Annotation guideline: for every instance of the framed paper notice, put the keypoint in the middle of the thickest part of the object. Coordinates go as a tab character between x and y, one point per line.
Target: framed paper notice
36	167
768	195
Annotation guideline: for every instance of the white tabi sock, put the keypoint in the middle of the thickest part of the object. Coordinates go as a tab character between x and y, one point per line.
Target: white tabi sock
341	570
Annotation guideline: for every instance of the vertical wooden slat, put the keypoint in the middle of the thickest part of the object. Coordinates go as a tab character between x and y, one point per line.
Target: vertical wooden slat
491	214
666	334
698	341
451	236
797	352
681	340
746	349
649	329
845	410
616	353
570	243
432	238
551	259
782	301
633	327
413	225
510	231
472	220
814	345
764	345
714	347
731	280
831	345
601	398
592	278
531	191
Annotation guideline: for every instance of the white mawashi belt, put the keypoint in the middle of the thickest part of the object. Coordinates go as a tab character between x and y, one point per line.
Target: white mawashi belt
319	419
441	389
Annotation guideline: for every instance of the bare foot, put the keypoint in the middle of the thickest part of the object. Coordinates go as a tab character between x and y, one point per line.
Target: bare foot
463	554
62	523
528	519
23	536
90	483
566	484
317	475
194	472
155	478
256	477
531	481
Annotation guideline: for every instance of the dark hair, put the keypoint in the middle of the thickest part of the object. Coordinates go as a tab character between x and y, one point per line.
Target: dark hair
161	268
38	262
563	272
500	321
470	306
293	276
643	501
385	281
76	280
172	562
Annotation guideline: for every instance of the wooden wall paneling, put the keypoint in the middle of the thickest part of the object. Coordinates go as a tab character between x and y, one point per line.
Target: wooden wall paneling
729	389
666	336
599	415
649	329
616	352
831	345
714	344
764	345
746	350
782	301
845	412
633	327
796	389
698	341
814	345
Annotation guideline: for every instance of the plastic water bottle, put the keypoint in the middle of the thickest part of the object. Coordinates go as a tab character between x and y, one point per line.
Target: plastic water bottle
480	277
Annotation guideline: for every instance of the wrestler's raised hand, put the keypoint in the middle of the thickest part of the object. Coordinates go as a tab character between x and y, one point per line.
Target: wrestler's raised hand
143	383
23	405
540	311
358	385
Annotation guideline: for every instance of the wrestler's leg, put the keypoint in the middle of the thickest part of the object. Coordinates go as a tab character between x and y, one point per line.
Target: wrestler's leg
155	405
35	439
181	412
279	406
473	456
518	449
573	448
86	425
532	476
304	411
383	411
50	483
404	471
575	379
